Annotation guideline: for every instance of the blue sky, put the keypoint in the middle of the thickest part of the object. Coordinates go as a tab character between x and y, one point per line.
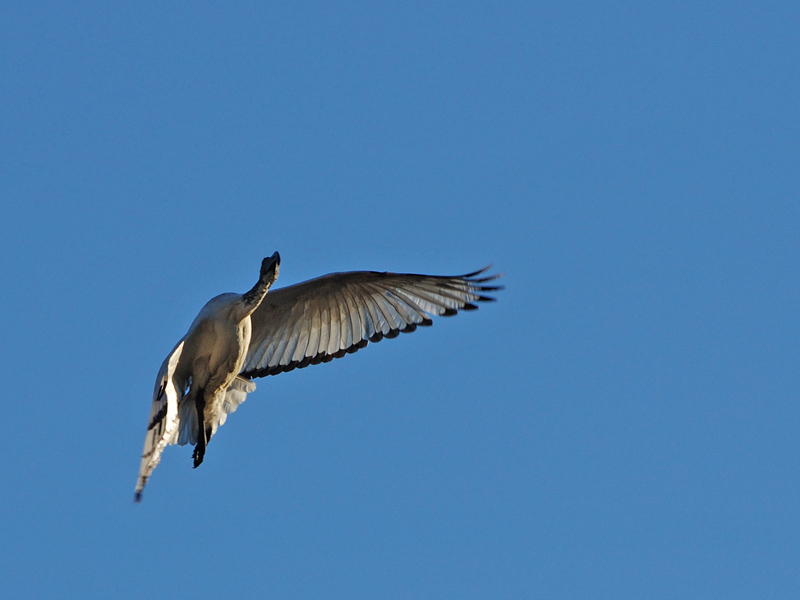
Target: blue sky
623	423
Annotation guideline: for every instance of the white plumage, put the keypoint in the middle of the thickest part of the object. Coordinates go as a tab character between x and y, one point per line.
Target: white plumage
237	337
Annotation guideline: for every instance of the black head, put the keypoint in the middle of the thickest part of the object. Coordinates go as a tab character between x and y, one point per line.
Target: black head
269	267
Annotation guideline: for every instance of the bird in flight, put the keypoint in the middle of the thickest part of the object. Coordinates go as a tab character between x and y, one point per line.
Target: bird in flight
237	337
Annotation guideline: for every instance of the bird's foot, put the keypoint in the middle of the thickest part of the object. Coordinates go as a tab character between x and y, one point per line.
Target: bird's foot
200	448
199	453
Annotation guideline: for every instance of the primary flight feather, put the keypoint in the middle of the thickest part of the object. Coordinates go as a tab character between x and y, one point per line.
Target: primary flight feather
237	337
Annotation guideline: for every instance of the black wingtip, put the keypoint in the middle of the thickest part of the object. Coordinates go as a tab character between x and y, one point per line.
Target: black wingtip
137	497
476	273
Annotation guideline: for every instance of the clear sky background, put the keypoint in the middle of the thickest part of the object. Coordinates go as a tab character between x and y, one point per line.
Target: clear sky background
623	423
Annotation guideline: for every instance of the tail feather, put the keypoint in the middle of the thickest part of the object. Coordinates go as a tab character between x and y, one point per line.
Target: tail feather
234	396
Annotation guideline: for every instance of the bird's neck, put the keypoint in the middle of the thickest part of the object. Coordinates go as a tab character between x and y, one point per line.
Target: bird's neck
254	297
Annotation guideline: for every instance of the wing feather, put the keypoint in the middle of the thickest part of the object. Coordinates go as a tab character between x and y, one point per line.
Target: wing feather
355	327
335	324
304	335
315	337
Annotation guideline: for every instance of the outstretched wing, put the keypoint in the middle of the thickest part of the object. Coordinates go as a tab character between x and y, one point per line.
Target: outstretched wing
162	427
328	317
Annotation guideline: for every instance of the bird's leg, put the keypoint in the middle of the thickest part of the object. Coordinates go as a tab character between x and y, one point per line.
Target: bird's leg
202	434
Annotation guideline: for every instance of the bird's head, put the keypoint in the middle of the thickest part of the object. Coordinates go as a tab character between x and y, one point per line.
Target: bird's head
269	268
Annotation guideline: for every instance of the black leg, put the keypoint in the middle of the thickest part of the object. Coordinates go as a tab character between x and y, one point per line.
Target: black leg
202	434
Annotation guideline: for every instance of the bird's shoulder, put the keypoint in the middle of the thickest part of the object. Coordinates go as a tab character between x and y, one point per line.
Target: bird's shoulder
218	308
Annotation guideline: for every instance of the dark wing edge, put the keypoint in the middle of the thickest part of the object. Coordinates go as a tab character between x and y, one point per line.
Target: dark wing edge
384	304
